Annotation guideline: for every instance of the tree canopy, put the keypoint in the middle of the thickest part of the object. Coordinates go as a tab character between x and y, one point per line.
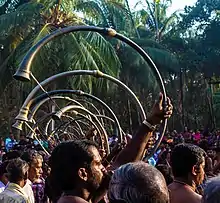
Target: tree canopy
185	46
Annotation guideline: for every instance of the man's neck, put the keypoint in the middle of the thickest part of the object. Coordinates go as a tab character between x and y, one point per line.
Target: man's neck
186	181
31	178
82	193
19	183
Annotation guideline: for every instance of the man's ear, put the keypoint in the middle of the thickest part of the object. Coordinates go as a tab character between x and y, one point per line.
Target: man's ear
26	175
83	174
195	170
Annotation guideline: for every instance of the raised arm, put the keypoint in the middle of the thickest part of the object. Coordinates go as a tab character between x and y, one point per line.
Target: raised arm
135	149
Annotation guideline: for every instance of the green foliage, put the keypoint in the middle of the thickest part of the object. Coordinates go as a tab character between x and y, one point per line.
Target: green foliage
153	16
30	22
184	45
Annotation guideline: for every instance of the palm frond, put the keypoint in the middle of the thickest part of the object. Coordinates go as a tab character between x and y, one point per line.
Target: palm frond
166	61
168	21
92	11
146	42
95	53
25	15
45	30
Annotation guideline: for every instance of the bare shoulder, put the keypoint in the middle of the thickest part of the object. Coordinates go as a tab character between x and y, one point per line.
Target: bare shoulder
183	195
71	199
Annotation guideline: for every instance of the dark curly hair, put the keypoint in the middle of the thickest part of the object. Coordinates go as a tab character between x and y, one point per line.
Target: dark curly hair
65	161
184	157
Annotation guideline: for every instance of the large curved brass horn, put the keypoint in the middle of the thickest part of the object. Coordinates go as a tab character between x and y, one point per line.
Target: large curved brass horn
23	114
78	120
19	123
38	101
70	122
24	71
74	108
36	107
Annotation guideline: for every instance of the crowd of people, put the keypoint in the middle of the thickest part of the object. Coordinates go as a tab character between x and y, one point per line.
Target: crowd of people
183	170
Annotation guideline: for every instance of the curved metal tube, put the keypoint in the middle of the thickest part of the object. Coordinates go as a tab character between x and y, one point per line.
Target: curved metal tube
72	120
84	123
72	107
92	123
35	125
38	105
106	117
71	134
78	93
29	100
18	124
23	73
91	104
63	124
42	120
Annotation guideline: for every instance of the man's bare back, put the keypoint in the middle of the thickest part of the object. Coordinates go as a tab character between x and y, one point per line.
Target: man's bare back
180	193
71	199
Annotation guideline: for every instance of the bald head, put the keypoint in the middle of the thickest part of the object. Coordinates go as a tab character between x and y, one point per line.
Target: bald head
138	182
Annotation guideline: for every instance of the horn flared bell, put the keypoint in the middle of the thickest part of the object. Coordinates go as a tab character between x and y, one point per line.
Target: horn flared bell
18	125
59	114
22	75
23	115
56	116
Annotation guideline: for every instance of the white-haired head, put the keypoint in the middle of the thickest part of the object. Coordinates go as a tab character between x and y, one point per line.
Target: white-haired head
138	183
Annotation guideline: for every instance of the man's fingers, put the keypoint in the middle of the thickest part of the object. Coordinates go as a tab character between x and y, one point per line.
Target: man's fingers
169	101
167	116
169	106
160	99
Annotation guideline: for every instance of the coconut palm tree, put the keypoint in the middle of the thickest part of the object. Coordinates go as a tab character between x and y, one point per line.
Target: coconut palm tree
152	17
31	21
24	25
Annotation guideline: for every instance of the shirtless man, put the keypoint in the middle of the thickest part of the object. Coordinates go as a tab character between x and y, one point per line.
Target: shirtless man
188	163
77	174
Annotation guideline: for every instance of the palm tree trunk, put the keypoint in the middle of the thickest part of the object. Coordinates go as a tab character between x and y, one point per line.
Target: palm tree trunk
130	115
182	96
209	101
156	21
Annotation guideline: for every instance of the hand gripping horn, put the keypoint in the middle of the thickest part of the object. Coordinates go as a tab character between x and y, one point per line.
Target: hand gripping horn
24	73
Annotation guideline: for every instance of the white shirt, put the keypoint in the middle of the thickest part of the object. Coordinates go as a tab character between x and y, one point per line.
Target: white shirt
28	191
13	193
2	187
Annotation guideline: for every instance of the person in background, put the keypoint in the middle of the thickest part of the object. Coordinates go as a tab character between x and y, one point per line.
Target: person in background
197	137
17	175
188	164
23	140
138	183
35	184
187	135
10	142
3	176
11	155
212	191
167	172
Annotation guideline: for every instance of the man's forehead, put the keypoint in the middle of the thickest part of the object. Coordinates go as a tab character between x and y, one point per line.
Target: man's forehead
37	161
95	153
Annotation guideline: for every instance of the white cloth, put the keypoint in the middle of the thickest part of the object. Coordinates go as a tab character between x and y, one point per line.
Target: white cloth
2	187
13	193
28	191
